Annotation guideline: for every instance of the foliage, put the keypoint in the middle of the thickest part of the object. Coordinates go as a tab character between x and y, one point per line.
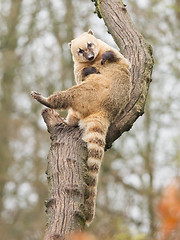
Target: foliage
169	212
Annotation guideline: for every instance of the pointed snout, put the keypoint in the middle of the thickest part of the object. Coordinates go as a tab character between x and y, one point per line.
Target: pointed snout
91	57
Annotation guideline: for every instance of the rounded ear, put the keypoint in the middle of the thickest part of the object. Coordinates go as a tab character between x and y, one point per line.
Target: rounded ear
69	44
90	32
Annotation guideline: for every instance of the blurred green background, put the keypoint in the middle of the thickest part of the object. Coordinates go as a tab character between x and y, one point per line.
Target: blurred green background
34	55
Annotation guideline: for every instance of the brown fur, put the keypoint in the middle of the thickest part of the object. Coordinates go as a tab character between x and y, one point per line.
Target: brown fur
81	62
96	102
97	49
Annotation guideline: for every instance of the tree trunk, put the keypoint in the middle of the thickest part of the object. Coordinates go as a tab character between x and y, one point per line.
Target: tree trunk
66	167
65	173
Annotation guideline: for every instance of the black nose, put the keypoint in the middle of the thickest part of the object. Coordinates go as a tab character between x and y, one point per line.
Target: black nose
90	58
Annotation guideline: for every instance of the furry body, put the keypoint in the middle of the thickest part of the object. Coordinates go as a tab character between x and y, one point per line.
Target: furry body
93	56
88	51
95	103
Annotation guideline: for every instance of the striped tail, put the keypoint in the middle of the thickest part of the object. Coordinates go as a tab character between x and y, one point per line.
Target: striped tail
95	129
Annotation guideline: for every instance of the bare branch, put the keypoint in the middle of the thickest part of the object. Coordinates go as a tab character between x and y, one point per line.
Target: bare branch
134	47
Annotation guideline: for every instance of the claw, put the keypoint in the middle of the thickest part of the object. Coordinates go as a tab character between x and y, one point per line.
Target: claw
103	61
35	94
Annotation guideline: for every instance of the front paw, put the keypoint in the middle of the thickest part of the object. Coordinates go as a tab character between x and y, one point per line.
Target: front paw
103	60
36	95
108	56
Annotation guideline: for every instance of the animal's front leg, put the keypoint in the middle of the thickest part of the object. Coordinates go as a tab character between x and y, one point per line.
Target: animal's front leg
108	56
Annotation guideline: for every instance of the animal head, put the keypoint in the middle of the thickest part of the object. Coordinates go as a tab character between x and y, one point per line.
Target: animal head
85	47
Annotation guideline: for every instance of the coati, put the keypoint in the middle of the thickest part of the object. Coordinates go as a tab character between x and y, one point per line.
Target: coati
102	92
91	56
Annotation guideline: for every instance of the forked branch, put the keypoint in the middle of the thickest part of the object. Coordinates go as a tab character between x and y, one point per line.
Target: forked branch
66	167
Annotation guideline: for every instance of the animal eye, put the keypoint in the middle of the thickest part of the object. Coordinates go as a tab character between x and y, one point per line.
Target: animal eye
89	44
80	50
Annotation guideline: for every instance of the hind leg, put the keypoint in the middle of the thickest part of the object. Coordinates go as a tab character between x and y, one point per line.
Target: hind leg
72	118
41	99
60	100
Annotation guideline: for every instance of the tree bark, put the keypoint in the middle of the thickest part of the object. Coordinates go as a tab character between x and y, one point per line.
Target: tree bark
66	175
134	47
66	167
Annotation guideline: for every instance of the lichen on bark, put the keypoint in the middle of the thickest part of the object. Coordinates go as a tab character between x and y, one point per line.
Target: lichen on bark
97	7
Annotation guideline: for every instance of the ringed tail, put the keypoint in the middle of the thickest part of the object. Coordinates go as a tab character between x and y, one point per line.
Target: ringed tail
95	129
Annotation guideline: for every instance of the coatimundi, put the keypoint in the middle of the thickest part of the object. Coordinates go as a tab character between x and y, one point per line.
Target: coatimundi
103	90
91	56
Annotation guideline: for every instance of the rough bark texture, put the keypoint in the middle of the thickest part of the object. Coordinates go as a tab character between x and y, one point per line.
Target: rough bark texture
66	167
66	175
134	47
